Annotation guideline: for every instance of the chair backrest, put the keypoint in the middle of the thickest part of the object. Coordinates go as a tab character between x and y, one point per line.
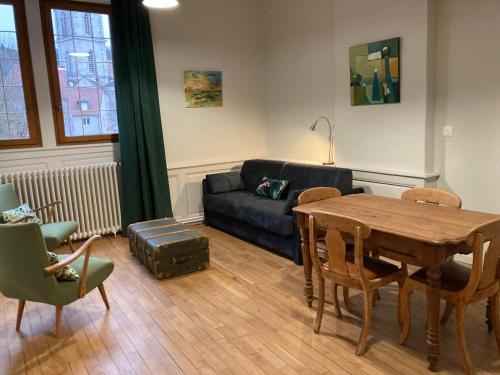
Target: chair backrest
339	229
8	197
23	257
432	196
484	269
318	194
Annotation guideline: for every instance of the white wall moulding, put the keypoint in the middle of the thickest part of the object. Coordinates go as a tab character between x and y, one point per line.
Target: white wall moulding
391	183
186	187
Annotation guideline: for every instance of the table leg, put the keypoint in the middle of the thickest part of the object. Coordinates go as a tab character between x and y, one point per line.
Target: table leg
433	302
306	258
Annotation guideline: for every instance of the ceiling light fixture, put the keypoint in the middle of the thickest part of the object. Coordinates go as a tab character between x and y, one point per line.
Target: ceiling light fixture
161	3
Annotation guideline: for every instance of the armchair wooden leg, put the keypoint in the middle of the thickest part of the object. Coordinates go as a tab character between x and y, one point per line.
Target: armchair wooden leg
103	295
70	244
20	310
59	311
368	297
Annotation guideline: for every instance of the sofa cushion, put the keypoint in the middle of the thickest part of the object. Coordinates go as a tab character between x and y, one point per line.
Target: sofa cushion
224	182
267	214
303	176
261	212
253	171
228	203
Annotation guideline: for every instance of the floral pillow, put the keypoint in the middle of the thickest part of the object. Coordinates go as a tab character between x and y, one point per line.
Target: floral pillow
15	214
67	273
271	188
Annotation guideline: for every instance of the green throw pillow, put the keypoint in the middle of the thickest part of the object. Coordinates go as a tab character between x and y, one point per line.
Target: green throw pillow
14	214
271	188
67	273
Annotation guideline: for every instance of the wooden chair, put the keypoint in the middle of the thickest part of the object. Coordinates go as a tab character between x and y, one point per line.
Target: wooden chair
432	196
317	194
349	269
462	286
426	196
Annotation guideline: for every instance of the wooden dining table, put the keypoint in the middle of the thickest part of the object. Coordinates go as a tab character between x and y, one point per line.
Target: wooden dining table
414	233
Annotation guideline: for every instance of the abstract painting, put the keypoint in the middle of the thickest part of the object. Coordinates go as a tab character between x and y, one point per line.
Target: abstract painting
374	74
203	89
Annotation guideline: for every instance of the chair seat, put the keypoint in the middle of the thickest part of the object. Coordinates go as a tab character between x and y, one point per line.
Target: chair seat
55	234
374	268
454	276
97	272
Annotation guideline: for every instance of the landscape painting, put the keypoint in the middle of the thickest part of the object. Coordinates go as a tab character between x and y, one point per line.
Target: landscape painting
203	89
374	73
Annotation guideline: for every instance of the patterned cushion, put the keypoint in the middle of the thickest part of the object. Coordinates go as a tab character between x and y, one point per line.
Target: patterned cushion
271	188
67	273
14	214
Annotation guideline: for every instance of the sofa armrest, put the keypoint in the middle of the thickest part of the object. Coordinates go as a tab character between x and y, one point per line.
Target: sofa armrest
357	190
292	200
204	188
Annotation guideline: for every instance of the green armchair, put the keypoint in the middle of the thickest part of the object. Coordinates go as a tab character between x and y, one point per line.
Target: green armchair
25	273
53	233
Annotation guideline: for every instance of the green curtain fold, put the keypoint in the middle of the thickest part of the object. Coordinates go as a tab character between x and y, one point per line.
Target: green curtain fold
144	180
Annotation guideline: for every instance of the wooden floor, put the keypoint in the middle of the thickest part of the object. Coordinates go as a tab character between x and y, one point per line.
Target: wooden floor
245	314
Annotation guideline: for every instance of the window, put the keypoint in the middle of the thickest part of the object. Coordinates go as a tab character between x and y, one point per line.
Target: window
19	124
82	83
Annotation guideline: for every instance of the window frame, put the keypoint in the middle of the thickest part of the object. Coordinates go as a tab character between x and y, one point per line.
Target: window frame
50	51
26	67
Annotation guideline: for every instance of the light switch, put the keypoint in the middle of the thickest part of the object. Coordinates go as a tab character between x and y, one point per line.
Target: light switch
448	131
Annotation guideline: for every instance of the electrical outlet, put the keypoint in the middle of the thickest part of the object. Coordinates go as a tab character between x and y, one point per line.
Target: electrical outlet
448	131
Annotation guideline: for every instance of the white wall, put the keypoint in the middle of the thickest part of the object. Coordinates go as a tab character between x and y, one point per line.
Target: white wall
468	98
307	65
299	55
224	35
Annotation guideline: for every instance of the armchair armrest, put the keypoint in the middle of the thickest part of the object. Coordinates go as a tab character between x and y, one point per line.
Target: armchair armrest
85	249
23	219
50	206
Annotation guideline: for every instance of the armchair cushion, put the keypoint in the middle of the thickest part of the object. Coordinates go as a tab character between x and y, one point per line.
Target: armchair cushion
14	214
56	233
67	273
224	182
97	272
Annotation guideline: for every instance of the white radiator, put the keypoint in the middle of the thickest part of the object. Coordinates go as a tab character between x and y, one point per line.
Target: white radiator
89	195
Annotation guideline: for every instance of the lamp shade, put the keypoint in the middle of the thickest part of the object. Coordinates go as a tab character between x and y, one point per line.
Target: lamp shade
160	3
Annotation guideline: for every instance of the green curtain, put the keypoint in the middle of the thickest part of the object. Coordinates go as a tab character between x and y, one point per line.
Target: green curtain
145	190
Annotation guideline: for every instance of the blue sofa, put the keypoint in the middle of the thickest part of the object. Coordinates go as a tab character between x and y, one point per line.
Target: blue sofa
231	205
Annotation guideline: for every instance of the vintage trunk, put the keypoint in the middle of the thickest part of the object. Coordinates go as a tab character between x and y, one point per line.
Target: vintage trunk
168	248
